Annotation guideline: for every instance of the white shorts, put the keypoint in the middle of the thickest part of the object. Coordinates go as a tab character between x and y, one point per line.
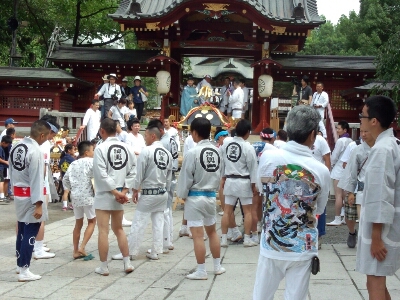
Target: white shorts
202	222
231	200
237	114
81	211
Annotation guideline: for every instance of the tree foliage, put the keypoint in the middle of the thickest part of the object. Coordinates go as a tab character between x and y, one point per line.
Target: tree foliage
82	23
374	31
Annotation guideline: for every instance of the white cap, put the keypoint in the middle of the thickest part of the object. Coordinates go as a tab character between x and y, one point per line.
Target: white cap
137	78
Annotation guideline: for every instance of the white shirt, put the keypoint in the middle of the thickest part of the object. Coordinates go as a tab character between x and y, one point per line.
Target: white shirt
296	187
279	143
137	143
78	180
132	112
173	132
347	153
320	148
188	144
107	91
320	99
3	133
123	136
118	114
92	121
237	98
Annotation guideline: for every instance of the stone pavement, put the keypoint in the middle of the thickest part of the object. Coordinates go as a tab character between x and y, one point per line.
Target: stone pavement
65	278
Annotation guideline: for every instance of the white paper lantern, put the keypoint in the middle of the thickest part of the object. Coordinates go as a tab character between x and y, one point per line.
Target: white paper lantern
163	82
265	83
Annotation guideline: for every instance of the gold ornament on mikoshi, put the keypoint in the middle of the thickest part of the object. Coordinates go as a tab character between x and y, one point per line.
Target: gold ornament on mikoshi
265	83
163	82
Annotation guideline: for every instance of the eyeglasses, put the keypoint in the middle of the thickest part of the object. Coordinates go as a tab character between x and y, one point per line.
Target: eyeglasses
364	117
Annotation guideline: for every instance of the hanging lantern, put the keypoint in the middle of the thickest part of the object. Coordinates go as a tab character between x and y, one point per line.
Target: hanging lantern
163	82
265	83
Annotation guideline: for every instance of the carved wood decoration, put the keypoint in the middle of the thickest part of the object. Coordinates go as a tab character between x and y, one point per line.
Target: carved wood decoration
153	26
215	7
278	29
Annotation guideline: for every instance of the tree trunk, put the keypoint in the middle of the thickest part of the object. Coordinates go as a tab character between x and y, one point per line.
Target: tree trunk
77	23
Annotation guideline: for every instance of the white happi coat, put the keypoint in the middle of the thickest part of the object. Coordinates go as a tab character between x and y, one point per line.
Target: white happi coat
356	164
320	99
92	122
26	169
154	170
236	100
296	188
239	159
201	171
114	166
337	164
381	204
171	145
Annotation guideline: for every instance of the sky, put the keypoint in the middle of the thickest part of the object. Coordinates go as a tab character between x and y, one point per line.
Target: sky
333	9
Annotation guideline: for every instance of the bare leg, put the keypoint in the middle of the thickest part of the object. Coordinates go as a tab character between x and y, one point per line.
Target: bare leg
87	235
103	219
40	235
351	225
116	226
226	218
199	245
76	235
184	222
376	286
338	197
247	219
221	198
213	241
358	210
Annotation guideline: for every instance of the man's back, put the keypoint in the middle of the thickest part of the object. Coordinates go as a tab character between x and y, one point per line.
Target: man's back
201	169
296	187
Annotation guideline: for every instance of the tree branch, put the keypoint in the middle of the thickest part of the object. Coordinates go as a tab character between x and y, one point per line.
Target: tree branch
116	38
37	23
99	11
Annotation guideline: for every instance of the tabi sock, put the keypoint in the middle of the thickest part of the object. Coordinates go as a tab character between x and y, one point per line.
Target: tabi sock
65	203
201	267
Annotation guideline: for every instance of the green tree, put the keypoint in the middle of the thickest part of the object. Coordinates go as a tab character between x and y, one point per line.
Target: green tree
81	23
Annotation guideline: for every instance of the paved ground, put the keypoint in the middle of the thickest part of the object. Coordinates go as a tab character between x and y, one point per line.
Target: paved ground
65	278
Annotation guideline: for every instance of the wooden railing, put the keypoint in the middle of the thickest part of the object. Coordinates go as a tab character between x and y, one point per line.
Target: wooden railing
331	128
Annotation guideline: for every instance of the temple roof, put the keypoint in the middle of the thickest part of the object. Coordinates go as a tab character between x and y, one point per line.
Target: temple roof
278	10
40	74
102	55
327	62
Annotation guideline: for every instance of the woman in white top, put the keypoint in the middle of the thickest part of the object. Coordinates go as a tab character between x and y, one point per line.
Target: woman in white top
120	113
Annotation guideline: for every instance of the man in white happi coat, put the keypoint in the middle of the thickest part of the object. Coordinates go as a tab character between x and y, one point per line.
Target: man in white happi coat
91	120
320	101
114	170
27	173
154	170
170	144
236	100
344	140
296	187
197	185
352	182
378	250
238	179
